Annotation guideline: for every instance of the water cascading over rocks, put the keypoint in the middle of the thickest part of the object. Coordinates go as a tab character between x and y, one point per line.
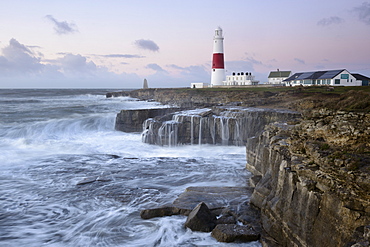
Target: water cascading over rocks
219	125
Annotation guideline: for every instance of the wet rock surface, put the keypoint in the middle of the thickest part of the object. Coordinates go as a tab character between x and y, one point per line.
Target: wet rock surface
216	198
208	207
314	179
163	211
216	125
201	219
231	232
132	120
312	176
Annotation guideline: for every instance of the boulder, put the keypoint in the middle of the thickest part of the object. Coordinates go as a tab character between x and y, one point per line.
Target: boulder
163	211
230	233
201	219
226	219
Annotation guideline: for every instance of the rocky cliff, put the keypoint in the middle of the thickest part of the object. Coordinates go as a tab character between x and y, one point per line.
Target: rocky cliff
132	120
216	125
314	179
195	98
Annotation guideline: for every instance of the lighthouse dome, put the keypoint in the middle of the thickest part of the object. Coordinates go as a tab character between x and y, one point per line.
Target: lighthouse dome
218	32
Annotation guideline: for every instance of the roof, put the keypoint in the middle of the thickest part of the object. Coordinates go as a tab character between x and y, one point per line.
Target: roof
316	75
274	74
361	77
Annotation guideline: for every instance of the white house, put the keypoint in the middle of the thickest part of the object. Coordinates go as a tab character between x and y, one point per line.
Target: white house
363	79
199	85
240	79
331	77
277	77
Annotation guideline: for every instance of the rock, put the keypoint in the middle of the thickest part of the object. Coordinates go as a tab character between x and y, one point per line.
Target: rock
216	198
201	219
163	211
230	233
254	180
225	201
87	180
226	219
132	120
221	125
313	190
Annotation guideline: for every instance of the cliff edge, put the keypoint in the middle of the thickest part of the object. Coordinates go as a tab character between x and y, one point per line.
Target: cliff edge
312	176
314	179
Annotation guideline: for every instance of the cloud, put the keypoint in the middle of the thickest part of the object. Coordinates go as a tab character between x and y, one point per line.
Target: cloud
333	20
18	58
71	63
193	73
172	77
249	58
21	67
299	61
62	27
121	56
363	12
155	67
254	61
238	66
147	44
192	68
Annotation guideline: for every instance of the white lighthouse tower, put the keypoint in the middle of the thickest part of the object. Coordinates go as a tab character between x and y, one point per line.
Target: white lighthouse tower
218	68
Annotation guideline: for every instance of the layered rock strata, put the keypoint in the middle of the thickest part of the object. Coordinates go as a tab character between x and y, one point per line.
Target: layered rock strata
217	125
313	181
132	120
195	98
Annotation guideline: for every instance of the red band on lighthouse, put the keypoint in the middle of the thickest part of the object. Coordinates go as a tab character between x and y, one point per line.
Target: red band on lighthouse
218	61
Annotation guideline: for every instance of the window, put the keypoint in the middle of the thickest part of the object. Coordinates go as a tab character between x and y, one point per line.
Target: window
337	81
344	76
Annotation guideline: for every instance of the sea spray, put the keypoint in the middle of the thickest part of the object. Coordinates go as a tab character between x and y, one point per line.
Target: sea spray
67	178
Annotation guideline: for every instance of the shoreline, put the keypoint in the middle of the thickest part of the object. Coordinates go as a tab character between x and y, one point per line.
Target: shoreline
321	110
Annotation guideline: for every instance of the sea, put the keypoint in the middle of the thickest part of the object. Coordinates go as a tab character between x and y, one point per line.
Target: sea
68	178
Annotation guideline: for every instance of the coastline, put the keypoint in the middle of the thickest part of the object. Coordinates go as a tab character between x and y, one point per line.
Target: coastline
321	109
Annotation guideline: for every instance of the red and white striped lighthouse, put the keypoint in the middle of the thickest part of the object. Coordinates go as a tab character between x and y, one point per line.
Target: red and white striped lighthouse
218	68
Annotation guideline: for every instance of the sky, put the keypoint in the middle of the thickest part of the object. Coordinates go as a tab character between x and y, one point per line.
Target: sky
119	43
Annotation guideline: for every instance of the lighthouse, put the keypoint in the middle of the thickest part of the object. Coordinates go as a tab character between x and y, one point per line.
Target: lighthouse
218	68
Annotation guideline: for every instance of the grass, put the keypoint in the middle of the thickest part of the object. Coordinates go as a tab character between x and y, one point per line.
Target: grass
337	98
310	89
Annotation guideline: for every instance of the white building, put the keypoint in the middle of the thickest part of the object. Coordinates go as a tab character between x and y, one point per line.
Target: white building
277	77
199	85
240	79
331	77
